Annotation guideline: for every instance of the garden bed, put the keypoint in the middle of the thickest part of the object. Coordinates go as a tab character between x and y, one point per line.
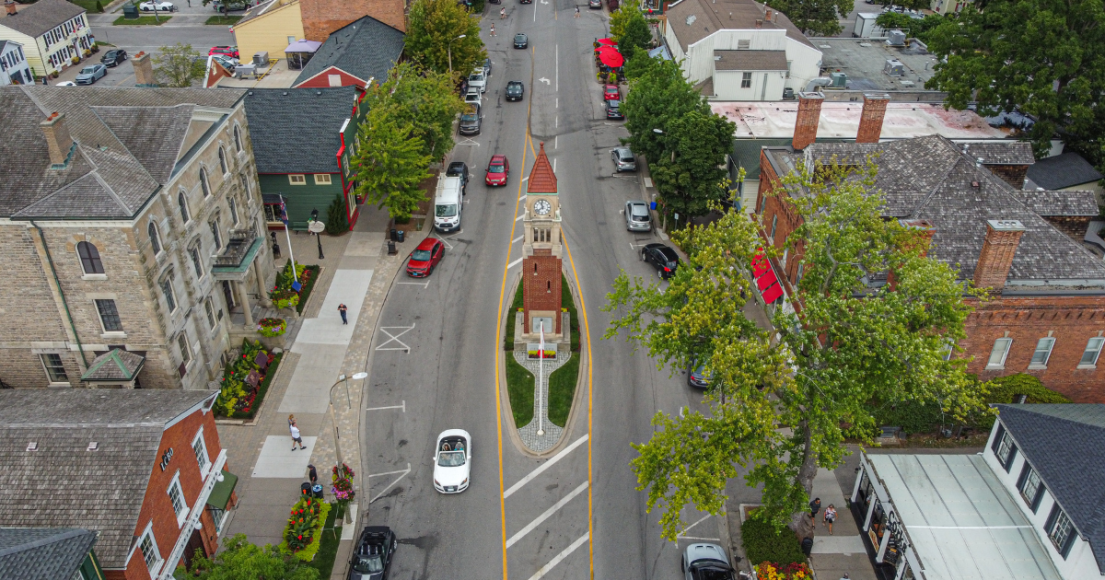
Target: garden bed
304	528
328	542
141	21
763	543
520	388
283	296
237	399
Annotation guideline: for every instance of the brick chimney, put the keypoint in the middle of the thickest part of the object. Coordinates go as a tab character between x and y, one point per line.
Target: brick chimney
10	6
870	121
143	70
57	136
768	17
1002	238
809	115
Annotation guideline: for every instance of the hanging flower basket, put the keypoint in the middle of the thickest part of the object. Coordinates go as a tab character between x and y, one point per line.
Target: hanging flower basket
272	326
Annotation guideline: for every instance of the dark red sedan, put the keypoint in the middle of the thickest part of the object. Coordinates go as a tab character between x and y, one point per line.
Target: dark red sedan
425	257
498	170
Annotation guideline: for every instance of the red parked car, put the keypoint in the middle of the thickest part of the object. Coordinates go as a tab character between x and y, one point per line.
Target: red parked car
231	51
425	257
611	93
498	170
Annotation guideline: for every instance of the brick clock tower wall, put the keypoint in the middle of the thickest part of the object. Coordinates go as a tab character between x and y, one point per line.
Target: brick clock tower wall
322	17
541	276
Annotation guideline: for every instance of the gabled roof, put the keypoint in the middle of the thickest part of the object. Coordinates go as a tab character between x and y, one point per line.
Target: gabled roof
1063	171
1065	444
750	60
263	9
41	17
114	366
128	142
43	552
37	487
693	20
365	48
541	177
297	130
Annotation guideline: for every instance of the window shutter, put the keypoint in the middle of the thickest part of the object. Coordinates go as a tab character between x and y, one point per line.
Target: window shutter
1039	497
1012	456
1068	542
1024	476
1054	515
997	438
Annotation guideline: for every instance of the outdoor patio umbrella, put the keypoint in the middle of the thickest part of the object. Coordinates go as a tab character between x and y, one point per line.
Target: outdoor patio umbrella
611	58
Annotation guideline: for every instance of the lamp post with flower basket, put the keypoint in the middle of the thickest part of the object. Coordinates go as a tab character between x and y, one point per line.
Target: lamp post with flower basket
337	443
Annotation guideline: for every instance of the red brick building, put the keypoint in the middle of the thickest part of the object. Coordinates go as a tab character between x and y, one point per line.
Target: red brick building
142	468
1046	313
322	17
542	250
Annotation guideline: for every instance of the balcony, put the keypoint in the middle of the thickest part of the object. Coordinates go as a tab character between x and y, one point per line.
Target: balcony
236	257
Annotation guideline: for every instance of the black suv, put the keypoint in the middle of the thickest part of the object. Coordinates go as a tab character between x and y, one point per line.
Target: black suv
373	554
613	109
113	57
515	90
663	258
458	169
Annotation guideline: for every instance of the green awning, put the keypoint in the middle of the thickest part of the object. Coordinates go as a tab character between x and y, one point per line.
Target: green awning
220	494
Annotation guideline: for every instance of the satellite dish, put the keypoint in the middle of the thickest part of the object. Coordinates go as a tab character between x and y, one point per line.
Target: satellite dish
316	227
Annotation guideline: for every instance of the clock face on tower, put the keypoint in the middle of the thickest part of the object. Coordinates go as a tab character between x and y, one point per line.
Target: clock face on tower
542	207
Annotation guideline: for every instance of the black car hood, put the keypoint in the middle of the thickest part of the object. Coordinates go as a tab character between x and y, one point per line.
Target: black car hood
354	575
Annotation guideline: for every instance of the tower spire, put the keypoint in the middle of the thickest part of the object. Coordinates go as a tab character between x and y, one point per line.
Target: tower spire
541	177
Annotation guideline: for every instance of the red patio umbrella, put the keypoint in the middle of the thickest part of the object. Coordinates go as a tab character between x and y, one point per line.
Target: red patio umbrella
611	58
608	42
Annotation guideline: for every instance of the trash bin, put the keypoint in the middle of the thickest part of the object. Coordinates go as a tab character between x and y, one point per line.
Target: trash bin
399	235
305	489
130	11
317	490
807	546
393	237
391	248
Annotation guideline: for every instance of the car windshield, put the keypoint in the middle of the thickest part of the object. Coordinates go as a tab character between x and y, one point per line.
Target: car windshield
613	103
450	458
368	564
421	255
468	117
475	77
495	169
446	210
669	254
88	70
455	169
712	570
520	37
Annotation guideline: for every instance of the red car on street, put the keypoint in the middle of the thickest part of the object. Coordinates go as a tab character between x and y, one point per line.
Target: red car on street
231	51
425	257
611	92
498	170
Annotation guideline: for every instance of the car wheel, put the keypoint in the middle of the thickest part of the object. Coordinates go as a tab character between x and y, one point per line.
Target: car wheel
659	273
642	255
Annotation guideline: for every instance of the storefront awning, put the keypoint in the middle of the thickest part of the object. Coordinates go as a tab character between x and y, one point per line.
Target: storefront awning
220	494
766	280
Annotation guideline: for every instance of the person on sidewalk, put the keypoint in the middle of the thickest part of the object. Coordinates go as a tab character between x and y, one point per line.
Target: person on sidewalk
845	577
830	517
296	438
312	474
492	30
341	309
577	11
502	13
815	506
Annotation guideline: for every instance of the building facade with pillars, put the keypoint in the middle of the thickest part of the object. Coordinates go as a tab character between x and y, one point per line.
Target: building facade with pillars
131	224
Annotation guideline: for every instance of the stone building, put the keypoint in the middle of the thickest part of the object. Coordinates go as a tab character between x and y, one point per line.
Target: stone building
1046	312
130	221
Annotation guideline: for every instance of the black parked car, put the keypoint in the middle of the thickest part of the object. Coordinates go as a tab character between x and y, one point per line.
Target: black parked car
113	57
515	90
521	40
663	258
613	109
373	554
458	169
697	377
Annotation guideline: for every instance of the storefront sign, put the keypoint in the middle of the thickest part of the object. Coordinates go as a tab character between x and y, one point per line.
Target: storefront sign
165	458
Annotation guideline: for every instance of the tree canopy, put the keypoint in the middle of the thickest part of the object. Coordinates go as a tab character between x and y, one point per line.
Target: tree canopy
913	27
178	66
779	399
1043	57
390	164
630	29
424	98
432	36
814	17
241	560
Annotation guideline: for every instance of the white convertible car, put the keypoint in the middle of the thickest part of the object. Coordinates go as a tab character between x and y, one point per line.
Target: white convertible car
452	461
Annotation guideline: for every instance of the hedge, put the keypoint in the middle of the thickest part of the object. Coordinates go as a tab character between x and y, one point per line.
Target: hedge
763	543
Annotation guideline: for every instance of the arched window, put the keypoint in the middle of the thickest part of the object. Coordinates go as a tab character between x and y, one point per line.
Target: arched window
197	260
183	207
155	240
233	211
222	161
238	139
215	233
90	258
203	181
245	183
167	291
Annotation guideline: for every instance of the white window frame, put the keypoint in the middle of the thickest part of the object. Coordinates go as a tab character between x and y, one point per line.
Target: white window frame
1008	343
1062	527
1047	341
1006	450
323	179
746	80
46	369
1030	498
209	311
206	466
184	509
1100	341
155	567
297	179
186	356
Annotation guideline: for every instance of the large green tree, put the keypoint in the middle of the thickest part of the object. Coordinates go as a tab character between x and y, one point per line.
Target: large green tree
658	96
913	27
815	17
433	37
241	560
779	398
178	66
629	27
1043	57
424	98
692	176
390	163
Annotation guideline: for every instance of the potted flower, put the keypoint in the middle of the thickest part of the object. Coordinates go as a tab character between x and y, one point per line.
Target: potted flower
343	484
272	326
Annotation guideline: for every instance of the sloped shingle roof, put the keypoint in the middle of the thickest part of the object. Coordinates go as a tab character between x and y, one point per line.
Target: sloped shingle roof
296	130
366	49
43	553
705	19
1063	171
541	177
1065	444
42	16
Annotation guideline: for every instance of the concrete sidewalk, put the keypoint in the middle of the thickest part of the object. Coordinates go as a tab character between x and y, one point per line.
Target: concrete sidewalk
357	272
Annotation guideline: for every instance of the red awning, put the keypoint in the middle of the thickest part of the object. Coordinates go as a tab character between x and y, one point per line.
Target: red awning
772	294
759	264
611	58
767	279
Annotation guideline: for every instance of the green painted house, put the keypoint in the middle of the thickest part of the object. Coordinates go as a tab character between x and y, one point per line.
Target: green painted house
303	140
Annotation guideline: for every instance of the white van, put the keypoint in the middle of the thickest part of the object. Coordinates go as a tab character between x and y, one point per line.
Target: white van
448	203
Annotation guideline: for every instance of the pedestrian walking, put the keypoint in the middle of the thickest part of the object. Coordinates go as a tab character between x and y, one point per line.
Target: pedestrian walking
291	420
341	309
815	506
312	474
830	517
577	11
296	437
492	30
189	3
502	13
845	577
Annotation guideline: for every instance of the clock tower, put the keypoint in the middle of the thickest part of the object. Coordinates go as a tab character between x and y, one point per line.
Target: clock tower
542	252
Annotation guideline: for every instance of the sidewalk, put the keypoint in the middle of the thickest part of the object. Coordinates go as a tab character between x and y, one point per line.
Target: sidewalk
357	272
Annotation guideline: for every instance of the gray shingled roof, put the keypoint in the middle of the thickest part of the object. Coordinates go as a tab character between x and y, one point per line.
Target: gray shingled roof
365	48
129	140
1063	171
1065	444
114	365
749	60
1011	153
43	553
1060	203
931	178
42	16
61	482
296	130
740	15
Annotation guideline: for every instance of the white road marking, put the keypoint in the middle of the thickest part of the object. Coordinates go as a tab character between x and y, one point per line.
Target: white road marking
403	407
544	80
401	476
519	218
533	474
522	198
525	179
556	53
395	338
554	165
514	263
548	513
686	529
694	539
468	141
407	470
560	557
515	240
447	244
425	284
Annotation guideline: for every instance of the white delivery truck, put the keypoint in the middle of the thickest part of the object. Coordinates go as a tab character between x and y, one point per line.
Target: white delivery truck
448	203
866	27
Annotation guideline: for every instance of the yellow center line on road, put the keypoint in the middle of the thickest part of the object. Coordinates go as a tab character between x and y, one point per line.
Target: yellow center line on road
590	398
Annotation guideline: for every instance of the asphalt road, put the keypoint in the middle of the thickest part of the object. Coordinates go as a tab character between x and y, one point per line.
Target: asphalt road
439	370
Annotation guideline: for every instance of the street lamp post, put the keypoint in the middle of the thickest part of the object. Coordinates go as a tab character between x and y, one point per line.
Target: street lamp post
334	421
318	234
449	49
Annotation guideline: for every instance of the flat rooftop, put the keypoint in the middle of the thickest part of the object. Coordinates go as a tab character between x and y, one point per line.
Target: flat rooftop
840	119
863	60
961	520
276	76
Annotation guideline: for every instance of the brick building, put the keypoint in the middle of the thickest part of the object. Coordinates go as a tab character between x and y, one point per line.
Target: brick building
143	469
322	17
1046	313
129	222
542	251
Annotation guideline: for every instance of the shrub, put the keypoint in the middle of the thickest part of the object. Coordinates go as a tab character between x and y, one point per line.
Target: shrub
773	571
763	543
272	326
237	398
337	219
302	530
1005	390
99	7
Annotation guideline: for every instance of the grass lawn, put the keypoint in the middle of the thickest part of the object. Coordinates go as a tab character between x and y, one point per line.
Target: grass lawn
562	389
331	538
508	341
227	20
519	385
141	21
89	5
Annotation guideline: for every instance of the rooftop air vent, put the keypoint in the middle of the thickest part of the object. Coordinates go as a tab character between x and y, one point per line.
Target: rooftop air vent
32	446
92	446
691	19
